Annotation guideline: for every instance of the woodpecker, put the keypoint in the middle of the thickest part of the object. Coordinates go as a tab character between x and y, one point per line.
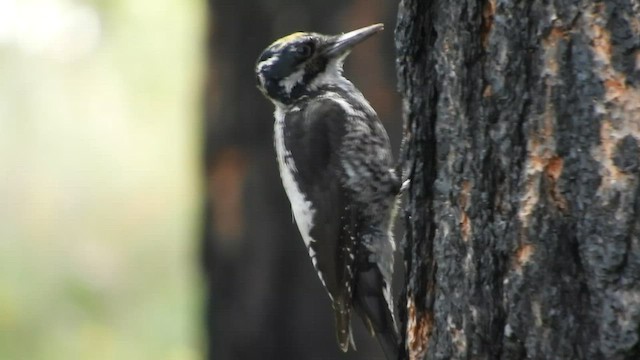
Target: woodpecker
336	167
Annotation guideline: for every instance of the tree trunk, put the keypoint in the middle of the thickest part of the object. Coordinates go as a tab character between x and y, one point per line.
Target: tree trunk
522	123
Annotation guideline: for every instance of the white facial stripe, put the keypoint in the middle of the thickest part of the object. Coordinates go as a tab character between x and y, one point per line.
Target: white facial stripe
292	80
265	63
332	74
276	47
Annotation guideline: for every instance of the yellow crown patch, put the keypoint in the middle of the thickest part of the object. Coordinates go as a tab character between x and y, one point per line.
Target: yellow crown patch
287	39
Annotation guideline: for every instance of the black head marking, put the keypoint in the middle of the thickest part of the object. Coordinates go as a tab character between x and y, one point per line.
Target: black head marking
287	65
300	63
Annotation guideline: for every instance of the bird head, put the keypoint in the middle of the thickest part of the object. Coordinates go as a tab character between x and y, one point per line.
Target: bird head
303	62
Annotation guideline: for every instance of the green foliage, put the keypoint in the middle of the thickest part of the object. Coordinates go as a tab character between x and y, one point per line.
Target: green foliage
98	179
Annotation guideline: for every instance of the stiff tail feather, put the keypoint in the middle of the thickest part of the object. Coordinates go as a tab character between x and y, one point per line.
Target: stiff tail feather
343	326
373	307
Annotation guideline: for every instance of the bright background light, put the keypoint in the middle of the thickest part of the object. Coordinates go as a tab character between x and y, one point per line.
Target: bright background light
99	121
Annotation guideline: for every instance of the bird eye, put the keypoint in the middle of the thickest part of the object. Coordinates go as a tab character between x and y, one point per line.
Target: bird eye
305	50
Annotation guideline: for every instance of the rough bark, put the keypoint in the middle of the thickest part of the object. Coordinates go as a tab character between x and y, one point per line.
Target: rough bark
523	217
264	300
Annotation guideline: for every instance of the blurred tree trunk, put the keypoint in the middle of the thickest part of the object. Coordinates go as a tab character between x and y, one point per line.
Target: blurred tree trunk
523	216
264	300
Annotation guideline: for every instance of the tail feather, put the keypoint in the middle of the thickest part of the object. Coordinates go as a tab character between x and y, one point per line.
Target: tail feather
343	326
372	305
389	342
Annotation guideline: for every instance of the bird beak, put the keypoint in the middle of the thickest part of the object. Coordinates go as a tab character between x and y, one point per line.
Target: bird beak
341	44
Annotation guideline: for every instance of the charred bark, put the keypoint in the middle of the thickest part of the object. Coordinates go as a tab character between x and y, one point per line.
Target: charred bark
522	122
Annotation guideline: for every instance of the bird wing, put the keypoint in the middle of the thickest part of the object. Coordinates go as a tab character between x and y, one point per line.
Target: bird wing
314	136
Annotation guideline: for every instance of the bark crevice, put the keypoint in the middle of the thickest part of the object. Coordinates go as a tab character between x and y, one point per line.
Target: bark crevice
531	190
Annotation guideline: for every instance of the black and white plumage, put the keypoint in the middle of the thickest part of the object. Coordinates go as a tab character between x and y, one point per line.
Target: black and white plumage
337	170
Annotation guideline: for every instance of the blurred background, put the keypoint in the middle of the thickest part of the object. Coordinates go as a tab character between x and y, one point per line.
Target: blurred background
99	178
141	213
